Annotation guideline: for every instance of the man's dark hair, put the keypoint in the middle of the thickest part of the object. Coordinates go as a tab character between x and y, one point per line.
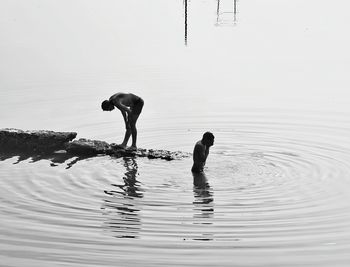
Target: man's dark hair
106	105
208	136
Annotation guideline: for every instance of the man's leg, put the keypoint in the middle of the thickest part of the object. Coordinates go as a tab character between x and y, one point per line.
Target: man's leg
133	119
127	135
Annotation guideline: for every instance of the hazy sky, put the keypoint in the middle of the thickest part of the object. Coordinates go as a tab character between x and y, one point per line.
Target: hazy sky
288	49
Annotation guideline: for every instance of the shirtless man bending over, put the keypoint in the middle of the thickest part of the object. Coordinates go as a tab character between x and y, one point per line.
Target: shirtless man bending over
130	106
201	152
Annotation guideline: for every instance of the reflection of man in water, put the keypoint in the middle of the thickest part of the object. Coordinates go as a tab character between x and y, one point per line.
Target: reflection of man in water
130	106
203	206
201	152
121	210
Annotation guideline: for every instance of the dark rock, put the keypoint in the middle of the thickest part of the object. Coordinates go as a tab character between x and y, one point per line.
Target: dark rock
85	147
36	141
42	143
88	147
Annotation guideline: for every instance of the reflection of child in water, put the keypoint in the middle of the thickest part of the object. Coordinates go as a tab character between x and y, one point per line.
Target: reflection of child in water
201	152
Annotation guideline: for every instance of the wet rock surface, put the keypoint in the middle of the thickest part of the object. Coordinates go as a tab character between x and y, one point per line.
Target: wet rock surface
88	147
43	142
36	141
83	147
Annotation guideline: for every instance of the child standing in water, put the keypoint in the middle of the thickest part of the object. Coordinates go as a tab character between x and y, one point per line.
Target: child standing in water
130	106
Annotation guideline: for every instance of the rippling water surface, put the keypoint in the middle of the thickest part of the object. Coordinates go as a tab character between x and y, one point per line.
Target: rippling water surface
275	192
276	188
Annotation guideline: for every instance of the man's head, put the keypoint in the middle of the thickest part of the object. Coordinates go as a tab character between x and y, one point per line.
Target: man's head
107	105
208	139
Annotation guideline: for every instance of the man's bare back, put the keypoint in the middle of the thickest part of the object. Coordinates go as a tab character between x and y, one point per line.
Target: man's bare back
122	100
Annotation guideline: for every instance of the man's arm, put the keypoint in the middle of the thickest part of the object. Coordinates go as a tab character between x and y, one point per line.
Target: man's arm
115	99
206	152
122	107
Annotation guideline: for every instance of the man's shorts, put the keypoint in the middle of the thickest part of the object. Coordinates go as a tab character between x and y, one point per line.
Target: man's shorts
138	105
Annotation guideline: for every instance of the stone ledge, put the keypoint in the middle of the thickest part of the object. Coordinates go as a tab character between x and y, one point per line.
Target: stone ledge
84	147
37	141
43	141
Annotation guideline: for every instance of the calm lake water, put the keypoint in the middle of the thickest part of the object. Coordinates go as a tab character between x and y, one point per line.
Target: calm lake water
268	78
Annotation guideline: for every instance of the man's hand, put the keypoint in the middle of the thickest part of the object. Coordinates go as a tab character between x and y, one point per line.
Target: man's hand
128	110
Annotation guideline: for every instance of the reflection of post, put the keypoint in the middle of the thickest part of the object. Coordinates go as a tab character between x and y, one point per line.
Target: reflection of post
185	5
223	12
235	10
120	205
217	12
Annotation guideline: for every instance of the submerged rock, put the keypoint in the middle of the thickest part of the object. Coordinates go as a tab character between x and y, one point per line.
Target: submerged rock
44	142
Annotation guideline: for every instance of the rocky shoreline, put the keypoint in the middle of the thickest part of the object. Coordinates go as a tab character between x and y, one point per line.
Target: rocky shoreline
46	142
